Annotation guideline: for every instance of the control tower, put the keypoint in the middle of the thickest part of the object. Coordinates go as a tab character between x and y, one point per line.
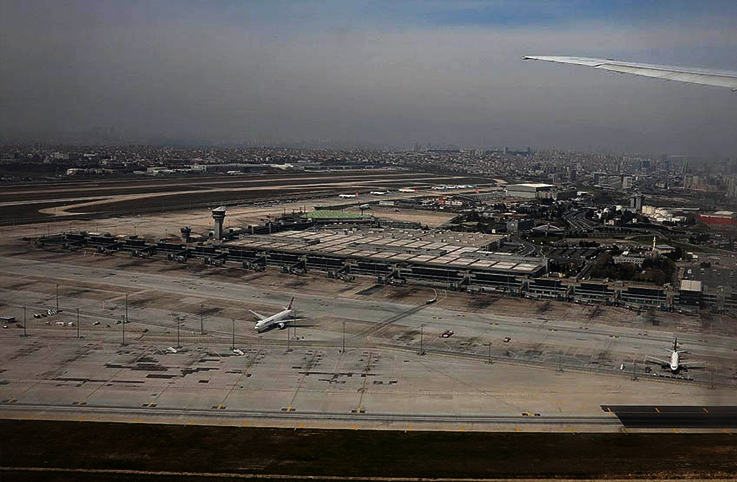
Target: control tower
218	215
186	233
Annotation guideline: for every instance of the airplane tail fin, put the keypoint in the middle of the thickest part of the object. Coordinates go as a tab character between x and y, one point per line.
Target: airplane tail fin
290	303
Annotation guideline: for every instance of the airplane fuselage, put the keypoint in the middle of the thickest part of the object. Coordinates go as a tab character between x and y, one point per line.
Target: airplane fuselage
675	362
280	320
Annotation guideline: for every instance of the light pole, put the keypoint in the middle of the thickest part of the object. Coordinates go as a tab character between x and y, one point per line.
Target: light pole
25	333
77	322
202	321
422	333
343	349
57	298
176	319
489	362
233	344
125	320
288	348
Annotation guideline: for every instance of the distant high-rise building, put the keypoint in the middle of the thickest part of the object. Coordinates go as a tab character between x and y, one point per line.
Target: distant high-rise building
571	173
732	187
626	182
636	201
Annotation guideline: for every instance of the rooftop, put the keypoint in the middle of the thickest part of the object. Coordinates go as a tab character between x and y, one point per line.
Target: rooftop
690	285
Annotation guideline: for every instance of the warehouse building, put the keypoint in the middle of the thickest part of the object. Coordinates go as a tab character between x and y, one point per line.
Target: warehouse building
530	191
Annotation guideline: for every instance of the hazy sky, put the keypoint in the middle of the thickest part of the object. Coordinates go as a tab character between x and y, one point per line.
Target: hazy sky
374	72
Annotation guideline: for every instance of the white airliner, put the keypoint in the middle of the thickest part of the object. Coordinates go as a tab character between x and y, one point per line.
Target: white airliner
279	320
378	193
718	78
346	196
674	363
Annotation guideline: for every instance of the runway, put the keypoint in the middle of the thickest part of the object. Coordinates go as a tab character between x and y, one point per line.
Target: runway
675	416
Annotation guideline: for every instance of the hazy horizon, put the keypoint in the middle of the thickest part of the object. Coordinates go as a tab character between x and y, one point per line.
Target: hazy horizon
366	74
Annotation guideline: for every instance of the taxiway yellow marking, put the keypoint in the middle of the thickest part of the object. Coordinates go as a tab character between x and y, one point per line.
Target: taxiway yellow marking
517	428
81	419
355	426
570	429
705	410
623	430
191	422
726	431
245	423
301	425
675	430
656	409
610	409
463	429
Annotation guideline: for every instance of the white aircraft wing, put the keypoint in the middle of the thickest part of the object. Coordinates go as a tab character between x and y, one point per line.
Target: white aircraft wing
718	78
258	315
694	365
657	361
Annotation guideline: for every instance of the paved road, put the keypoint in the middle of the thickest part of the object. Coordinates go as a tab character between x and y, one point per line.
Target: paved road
675	416
276	415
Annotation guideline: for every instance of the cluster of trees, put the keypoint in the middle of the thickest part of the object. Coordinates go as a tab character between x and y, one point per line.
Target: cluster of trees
653	270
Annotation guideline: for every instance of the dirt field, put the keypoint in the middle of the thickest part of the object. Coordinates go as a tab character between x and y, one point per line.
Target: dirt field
362	454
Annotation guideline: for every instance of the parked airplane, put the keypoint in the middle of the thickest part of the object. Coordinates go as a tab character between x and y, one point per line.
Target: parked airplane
278	320
718	78
378	193
363	207
674	364
346	196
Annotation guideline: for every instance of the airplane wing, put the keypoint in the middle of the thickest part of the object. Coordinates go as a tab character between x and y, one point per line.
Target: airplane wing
657	361
258	315
694	365
718	78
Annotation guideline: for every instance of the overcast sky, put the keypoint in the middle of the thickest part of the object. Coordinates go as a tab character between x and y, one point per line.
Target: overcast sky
381	73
